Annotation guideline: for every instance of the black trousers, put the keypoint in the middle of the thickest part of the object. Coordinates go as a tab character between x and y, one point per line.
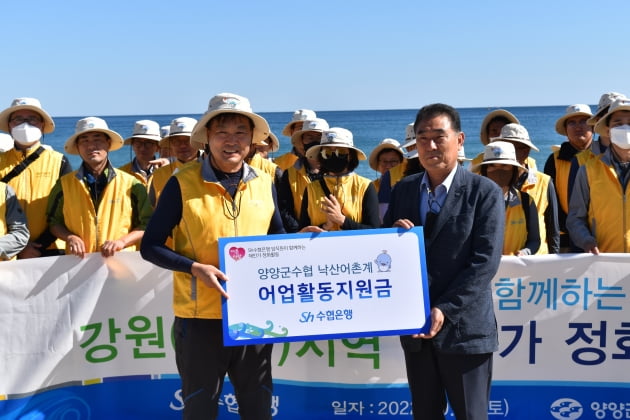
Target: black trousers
434	377
203	361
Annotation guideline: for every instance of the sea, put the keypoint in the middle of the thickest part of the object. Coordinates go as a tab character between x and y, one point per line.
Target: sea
369	127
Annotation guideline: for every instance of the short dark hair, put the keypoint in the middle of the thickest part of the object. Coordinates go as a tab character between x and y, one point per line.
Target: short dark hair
433	110
229	116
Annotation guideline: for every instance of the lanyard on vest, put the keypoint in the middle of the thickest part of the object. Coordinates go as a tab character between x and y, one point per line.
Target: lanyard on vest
20	167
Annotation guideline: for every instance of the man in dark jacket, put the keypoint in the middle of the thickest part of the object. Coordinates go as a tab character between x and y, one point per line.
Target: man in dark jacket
463	219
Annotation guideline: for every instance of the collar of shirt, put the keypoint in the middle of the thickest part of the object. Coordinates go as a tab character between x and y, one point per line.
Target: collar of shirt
438	193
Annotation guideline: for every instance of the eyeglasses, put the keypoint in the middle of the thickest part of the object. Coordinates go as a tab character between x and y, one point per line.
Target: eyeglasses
144	143
327	153
392	162
32	120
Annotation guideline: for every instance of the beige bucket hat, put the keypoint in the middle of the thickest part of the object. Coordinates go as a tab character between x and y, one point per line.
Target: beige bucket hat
572	111
232	103
515	132
483	131
145	129
30	104
299	116
181	126
318	125
500	152
87	125
335	137
385	144
604	103
620	104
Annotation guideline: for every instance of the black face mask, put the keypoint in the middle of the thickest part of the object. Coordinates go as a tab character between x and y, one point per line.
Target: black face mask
334	164
309	145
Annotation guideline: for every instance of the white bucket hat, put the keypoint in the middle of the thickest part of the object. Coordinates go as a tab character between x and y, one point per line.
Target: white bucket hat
182	126
500	152
621	104
572	111
483	131
299	115
410	140
273	140
87	125
385	144
145	129
165	130
604	103
335	137
224	103
461	155
30	104
318	125
515	132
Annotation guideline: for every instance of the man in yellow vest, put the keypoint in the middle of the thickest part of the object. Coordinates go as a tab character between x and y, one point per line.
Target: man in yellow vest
599	212
288	159
574	125
220	196
32	170
145	142
97	208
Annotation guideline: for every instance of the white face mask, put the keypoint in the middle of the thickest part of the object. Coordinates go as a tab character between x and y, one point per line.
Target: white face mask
26	134
621	136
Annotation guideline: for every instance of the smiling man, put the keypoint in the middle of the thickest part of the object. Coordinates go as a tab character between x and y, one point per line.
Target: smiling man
97	208
221	196
463	218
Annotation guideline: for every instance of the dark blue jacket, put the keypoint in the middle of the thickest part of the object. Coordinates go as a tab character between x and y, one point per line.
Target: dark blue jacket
463	253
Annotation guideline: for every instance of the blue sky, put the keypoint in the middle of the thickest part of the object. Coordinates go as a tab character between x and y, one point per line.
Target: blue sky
159	57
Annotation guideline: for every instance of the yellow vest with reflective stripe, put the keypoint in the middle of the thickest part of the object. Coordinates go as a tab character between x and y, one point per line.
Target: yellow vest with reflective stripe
608	212
113	217
209	213
349	191
32	186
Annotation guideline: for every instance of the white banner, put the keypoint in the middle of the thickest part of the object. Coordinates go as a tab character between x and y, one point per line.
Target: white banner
69	323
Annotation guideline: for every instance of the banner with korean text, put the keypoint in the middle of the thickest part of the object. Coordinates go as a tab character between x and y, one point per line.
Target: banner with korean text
300	287
91	339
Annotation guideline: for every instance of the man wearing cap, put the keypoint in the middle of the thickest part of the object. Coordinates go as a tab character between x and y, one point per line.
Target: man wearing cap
538	185
295	178
522	234
32	170
288	159
599	212
178	140
97	208
270	145
463	215
145	142
574	125
220	196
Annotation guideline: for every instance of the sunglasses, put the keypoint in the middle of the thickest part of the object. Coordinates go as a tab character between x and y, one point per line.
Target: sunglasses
327	153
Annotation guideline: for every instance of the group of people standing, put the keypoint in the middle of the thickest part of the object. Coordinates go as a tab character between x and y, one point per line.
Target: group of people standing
198	180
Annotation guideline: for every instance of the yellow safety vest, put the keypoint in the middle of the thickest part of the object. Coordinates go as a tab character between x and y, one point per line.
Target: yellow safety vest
32	187
113	217
286	160
515	235
298	180
538	193
209	213
609	212
265	165
349	191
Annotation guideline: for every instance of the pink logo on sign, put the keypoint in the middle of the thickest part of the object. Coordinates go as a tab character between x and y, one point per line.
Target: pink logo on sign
237	253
